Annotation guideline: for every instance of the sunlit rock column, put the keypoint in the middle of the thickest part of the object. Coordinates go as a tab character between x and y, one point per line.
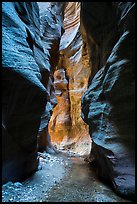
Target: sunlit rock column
66	127
108	106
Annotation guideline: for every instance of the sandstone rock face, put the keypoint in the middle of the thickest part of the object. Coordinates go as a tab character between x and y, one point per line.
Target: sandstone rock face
108	106
28	94
60	123
66	126
51	26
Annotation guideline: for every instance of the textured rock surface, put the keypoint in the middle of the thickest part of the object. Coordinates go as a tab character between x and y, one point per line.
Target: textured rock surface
108	106
66	127
24	96
27	83
60	123
29	58
51	21
58	180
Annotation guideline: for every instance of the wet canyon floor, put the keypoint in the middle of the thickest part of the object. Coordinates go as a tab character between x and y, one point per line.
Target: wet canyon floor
64	177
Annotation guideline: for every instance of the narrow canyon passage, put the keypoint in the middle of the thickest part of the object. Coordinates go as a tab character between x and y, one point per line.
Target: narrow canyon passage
68	101
62	177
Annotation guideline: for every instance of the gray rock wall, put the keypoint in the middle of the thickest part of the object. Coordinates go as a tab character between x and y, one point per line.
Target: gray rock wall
51	27
24	96
108	106
26	82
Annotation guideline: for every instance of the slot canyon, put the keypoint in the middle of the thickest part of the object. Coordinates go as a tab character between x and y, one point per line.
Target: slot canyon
68	101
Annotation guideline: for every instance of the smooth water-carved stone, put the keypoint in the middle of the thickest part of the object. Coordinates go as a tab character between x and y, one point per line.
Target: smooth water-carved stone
51	26
108	106
22	89
66	127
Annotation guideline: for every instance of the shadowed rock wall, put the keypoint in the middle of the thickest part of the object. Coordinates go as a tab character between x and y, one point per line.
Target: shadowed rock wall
51	26
31	48
108	106
27	73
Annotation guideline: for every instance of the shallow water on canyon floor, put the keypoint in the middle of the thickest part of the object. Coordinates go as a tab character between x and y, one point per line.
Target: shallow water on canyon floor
81	185
61	178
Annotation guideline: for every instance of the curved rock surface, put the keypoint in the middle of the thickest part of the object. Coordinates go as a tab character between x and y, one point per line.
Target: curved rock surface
51	26
66	127
108	106
27	82
22	88
44	38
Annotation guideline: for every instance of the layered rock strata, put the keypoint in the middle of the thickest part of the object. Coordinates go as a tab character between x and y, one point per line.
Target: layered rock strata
27	83
66	127
108	106
51	26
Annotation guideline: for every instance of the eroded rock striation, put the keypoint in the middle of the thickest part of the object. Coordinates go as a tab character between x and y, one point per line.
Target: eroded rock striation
66	126
51	54
108	106
28	95
51	27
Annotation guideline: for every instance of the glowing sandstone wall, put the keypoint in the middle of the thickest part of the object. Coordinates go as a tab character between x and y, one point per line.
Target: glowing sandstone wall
66	126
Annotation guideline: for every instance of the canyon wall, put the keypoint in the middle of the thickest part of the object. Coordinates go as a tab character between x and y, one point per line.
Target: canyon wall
108	106
69	56
66	127
51	27
27	73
